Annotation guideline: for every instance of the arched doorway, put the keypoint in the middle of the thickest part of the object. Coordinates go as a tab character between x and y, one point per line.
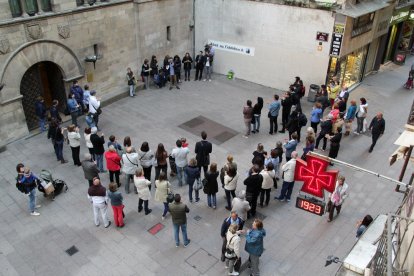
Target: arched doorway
42	79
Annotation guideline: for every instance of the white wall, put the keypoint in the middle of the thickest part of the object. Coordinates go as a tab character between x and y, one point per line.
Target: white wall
284	39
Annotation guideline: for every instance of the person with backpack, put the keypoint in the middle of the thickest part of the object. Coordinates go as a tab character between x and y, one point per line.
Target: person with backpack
27	183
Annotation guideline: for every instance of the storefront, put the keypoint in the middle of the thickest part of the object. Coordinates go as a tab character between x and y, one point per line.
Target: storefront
349	69
400	36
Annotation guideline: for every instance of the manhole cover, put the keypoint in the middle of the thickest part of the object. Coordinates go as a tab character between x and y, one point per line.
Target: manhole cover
197	218
156	228
202	261
72	250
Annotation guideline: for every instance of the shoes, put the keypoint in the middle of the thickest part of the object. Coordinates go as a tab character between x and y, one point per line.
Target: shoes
222	258
188	242
253	131
121	226
370	150
234	273
64	161
271	133
170	88
214	207
97	225
191	201
356	133
204	79
244	136
228	208
109	224
139	210
329	220
177	87
148	212
282	131
163	217
288	200
197	200
35	214
177	245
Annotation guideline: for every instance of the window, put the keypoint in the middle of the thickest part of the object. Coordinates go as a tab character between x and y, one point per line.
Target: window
168	33
363	24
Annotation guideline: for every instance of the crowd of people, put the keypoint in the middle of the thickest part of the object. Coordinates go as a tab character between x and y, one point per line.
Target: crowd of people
200	173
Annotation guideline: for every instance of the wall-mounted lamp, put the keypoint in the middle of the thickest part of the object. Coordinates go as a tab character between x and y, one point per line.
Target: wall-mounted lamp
93	58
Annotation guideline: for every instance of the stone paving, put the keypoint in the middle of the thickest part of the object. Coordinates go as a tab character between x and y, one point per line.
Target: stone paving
297	242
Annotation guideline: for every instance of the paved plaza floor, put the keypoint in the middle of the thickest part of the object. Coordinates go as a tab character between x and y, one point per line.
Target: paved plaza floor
297	242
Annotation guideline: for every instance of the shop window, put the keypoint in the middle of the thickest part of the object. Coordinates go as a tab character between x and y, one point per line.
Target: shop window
363	24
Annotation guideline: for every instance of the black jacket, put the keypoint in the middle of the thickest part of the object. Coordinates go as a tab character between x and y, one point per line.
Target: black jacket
377	126
40	110
187	65
326	127
226	224
55	133
212	185
293	124
98	144
203	149
54	113
200	61
287	105
253	183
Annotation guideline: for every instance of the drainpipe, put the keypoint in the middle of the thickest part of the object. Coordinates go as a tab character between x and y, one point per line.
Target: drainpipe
194	51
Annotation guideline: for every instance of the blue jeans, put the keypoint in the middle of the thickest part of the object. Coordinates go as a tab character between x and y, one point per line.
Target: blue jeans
58	146
176	234
32	200
181	175
287	189
42	124
256	125
212	200
99	161
190	193
165	209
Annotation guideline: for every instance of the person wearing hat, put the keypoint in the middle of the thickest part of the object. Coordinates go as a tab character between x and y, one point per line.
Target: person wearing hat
94	106
240	205
98	142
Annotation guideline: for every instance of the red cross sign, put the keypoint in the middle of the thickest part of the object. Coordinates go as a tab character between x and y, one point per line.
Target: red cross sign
315	176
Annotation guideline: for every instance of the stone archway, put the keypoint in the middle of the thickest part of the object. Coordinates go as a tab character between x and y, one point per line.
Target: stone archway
12	118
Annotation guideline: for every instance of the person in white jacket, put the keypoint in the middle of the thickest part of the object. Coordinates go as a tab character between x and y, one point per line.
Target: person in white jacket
130	163
144	194
337	197
230	185
288	170
268	175
233	245
94	105
99	198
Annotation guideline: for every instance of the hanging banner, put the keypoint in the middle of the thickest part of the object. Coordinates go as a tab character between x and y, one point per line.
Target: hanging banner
336	44
234	48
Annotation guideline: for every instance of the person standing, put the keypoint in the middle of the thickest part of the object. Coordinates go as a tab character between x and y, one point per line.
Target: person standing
240	205
113	164
253	186
88	143
230	184
144	194
146	157
337	198
86	96
350	117
232	219
161	156
173	77
130	163
94	107
177	68
247	115
163	187
333	90
326	128
99	199
193	174
54	112
187	61
361	115
202	150
335	143
55	133
178	211
200	61
211	187
180	155
117	205
293	124
28	179
131	82
290	146
288	176
207	64
232	245
145	72
74	108
377	127
90	169
74	142
257	111
41	111
254	245
268	175
274	108
78	92
316	115
98	142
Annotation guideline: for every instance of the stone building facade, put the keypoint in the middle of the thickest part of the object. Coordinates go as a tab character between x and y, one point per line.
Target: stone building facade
41	54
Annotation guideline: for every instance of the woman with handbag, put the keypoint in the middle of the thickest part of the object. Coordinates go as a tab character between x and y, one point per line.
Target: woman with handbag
232	253
211	185
230	185
163	188
193	175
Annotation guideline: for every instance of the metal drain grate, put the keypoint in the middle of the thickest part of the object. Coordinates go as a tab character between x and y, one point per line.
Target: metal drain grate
72	250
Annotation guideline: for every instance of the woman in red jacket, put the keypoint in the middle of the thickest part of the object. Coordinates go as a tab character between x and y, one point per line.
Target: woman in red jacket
113	164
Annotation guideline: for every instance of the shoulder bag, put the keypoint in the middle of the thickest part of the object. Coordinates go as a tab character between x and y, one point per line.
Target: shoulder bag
197	184
229	253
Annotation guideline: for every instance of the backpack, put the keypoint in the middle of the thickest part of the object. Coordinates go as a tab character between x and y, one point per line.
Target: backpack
302	120
21	187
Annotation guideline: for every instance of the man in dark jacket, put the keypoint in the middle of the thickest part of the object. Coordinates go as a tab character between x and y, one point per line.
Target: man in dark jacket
89	169
178	211
286	107
233	219
203	149
41	113
326	128
54	113
253	185
78	92
98	148
200	61
377	127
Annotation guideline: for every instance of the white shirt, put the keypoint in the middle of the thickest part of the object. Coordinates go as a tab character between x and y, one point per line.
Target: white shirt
74	139
289	170
94	104
180	155
88	141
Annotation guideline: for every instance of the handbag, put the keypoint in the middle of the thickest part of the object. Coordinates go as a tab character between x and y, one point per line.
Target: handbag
170	197
197	184
274	182
229	253
155	162
269	114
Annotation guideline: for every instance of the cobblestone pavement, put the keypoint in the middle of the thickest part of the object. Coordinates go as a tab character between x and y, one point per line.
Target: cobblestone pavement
297	242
